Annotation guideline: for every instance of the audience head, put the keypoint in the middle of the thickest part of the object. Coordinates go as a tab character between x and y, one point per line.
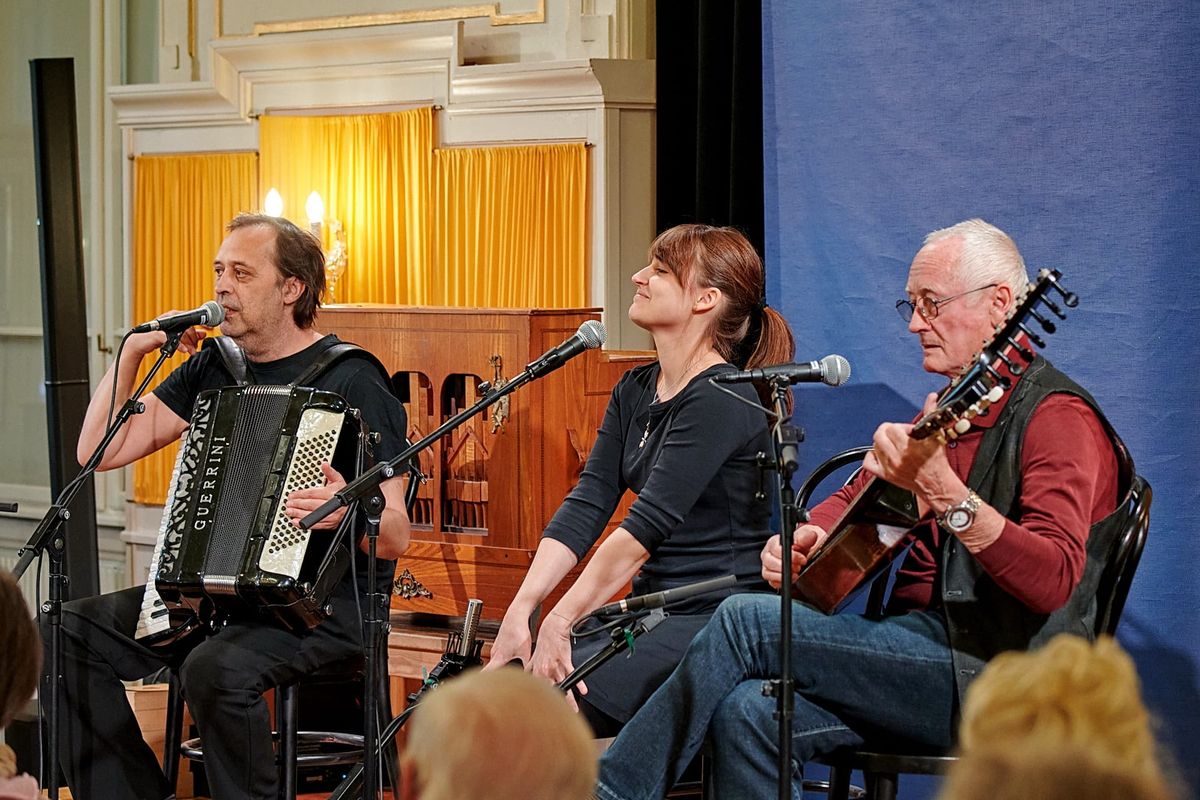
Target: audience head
1026	772
498	735
298	255
1069	692
20	650
744	330
1068	714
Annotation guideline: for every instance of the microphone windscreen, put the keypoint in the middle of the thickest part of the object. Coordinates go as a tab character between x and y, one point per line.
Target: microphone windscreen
592	334
835	369
216	313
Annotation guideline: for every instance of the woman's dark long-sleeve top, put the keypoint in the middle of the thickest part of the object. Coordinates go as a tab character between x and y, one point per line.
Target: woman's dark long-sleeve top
692	462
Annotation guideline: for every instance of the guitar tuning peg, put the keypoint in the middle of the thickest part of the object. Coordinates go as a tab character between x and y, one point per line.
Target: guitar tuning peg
962	426
1047	325
994	395
1033	337
1053	306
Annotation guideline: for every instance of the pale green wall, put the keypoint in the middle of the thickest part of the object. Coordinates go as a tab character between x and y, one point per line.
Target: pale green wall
47	30
140	41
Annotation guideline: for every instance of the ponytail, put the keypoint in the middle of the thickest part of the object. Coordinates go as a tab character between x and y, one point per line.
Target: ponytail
775	345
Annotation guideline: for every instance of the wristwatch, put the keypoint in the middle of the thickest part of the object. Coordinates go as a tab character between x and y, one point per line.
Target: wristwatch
960	516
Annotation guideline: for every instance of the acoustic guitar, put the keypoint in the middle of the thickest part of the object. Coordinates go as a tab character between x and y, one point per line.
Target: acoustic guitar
876	525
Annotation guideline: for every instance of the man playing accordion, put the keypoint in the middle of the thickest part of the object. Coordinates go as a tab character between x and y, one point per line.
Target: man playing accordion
269	277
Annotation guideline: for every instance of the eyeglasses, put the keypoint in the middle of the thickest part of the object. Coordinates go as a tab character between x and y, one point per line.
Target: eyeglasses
928	307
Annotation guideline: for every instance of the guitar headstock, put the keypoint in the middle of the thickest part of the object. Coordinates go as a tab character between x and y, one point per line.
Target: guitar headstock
982	381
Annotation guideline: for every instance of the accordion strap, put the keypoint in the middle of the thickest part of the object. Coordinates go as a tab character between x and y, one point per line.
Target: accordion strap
232	356
335	353
235	361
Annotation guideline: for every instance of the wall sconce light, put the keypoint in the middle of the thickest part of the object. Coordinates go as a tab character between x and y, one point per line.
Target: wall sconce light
314	207
337	256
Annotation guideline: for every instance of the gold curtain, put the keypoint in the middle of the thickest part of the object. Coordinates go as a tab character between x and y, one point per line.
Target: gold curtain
500	227
510	225
181	205
373	173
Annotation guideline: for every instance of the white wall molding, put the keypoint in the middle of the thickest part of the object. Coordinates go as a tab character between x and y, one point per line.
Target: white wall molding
172	105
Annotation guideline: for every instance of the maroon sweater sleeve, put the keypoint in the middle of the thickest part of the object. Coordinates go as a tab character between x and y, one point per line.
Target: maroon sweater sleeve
1068	482
825	513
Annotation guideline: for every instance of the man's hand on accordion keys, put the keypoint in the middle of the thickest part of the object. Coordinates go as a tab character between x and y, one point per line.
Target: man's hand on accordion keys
301	503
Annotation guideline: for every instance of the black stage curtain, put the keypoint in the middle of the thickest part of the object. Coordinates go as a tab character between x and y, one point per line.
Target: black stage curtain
710	153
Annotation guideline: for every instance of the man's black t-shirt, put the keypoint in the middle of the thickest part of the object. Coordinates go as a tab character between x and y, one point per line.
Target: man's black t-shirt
356	379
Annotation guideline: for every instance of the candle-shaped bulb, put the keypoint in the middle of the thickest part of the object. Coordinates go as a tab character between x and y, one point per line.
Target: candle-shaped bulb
273	205
314	206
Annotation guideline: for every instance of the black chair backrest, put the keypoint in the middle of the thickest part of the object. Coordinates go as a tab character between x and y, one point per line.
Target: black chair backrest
827	468
1117	577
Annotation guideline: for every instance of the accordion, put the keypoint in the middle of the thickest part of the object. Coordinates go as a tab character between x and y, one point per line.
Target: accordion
225	546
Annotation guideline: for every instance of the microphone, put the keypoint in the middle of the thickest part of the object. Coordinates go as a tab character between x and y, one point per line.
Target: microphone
466	641
832	369
209	315
590	335
462	652
666	597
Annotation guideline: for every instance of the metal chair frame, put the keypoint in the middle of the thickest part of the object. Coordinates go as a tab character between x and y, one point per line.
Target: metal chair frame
295	748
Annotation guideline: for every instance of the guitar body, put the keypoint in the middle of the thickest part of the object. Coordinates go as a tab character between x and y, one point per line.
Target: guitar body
874	527
867	537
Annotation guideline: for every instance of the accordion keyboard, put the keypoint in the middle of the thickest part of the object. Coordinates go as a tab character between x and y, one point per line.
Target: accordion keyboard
316	440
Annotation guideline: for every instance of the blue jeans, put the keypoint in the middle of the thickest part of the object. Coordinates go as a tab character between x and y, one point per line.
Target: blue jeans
854	679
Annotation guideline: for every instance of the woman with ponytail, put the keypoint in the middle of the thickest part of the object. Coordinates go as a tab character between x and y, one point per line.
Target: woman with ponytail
687	449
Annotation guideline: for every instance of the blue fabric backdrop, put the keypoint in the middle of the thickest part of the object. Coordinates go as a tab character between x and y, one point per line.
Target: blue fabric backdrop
1072	127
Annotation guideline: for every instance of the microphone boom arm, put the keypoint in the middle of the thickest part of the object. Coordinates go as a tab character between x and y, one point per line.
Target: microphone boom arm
367	482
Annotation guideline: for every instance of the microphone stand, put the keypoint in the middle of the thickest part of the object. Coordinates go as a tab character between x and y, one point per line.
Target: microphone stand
361	486
365	489
461	654
47	537
622	639
373	504
785	461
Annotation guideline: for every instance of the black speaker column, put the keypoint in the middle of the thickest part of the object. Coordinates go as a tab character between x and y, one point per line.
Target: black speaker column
64	315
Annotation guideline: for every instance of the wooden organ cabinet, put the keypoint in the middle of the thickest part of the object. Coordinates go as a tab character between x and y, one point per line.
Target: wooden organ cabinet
494	483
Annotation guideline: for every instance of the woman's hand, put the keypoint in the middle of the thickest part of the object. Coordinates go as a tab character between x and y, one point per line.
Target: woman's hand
513	641
552	657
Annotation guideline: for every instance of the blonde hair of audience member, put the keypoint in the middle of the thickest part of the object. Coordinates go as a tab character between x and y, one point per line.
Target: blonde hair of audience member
1070	692
494	736
1040	772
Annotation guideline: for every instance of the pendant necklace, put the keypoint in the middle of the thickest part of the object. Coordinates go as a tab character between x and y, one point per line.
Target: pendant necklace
676	385
646	432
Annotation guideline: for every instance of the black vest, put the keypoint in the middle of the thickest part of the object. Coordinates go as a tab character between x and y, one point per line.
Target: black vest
982	619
